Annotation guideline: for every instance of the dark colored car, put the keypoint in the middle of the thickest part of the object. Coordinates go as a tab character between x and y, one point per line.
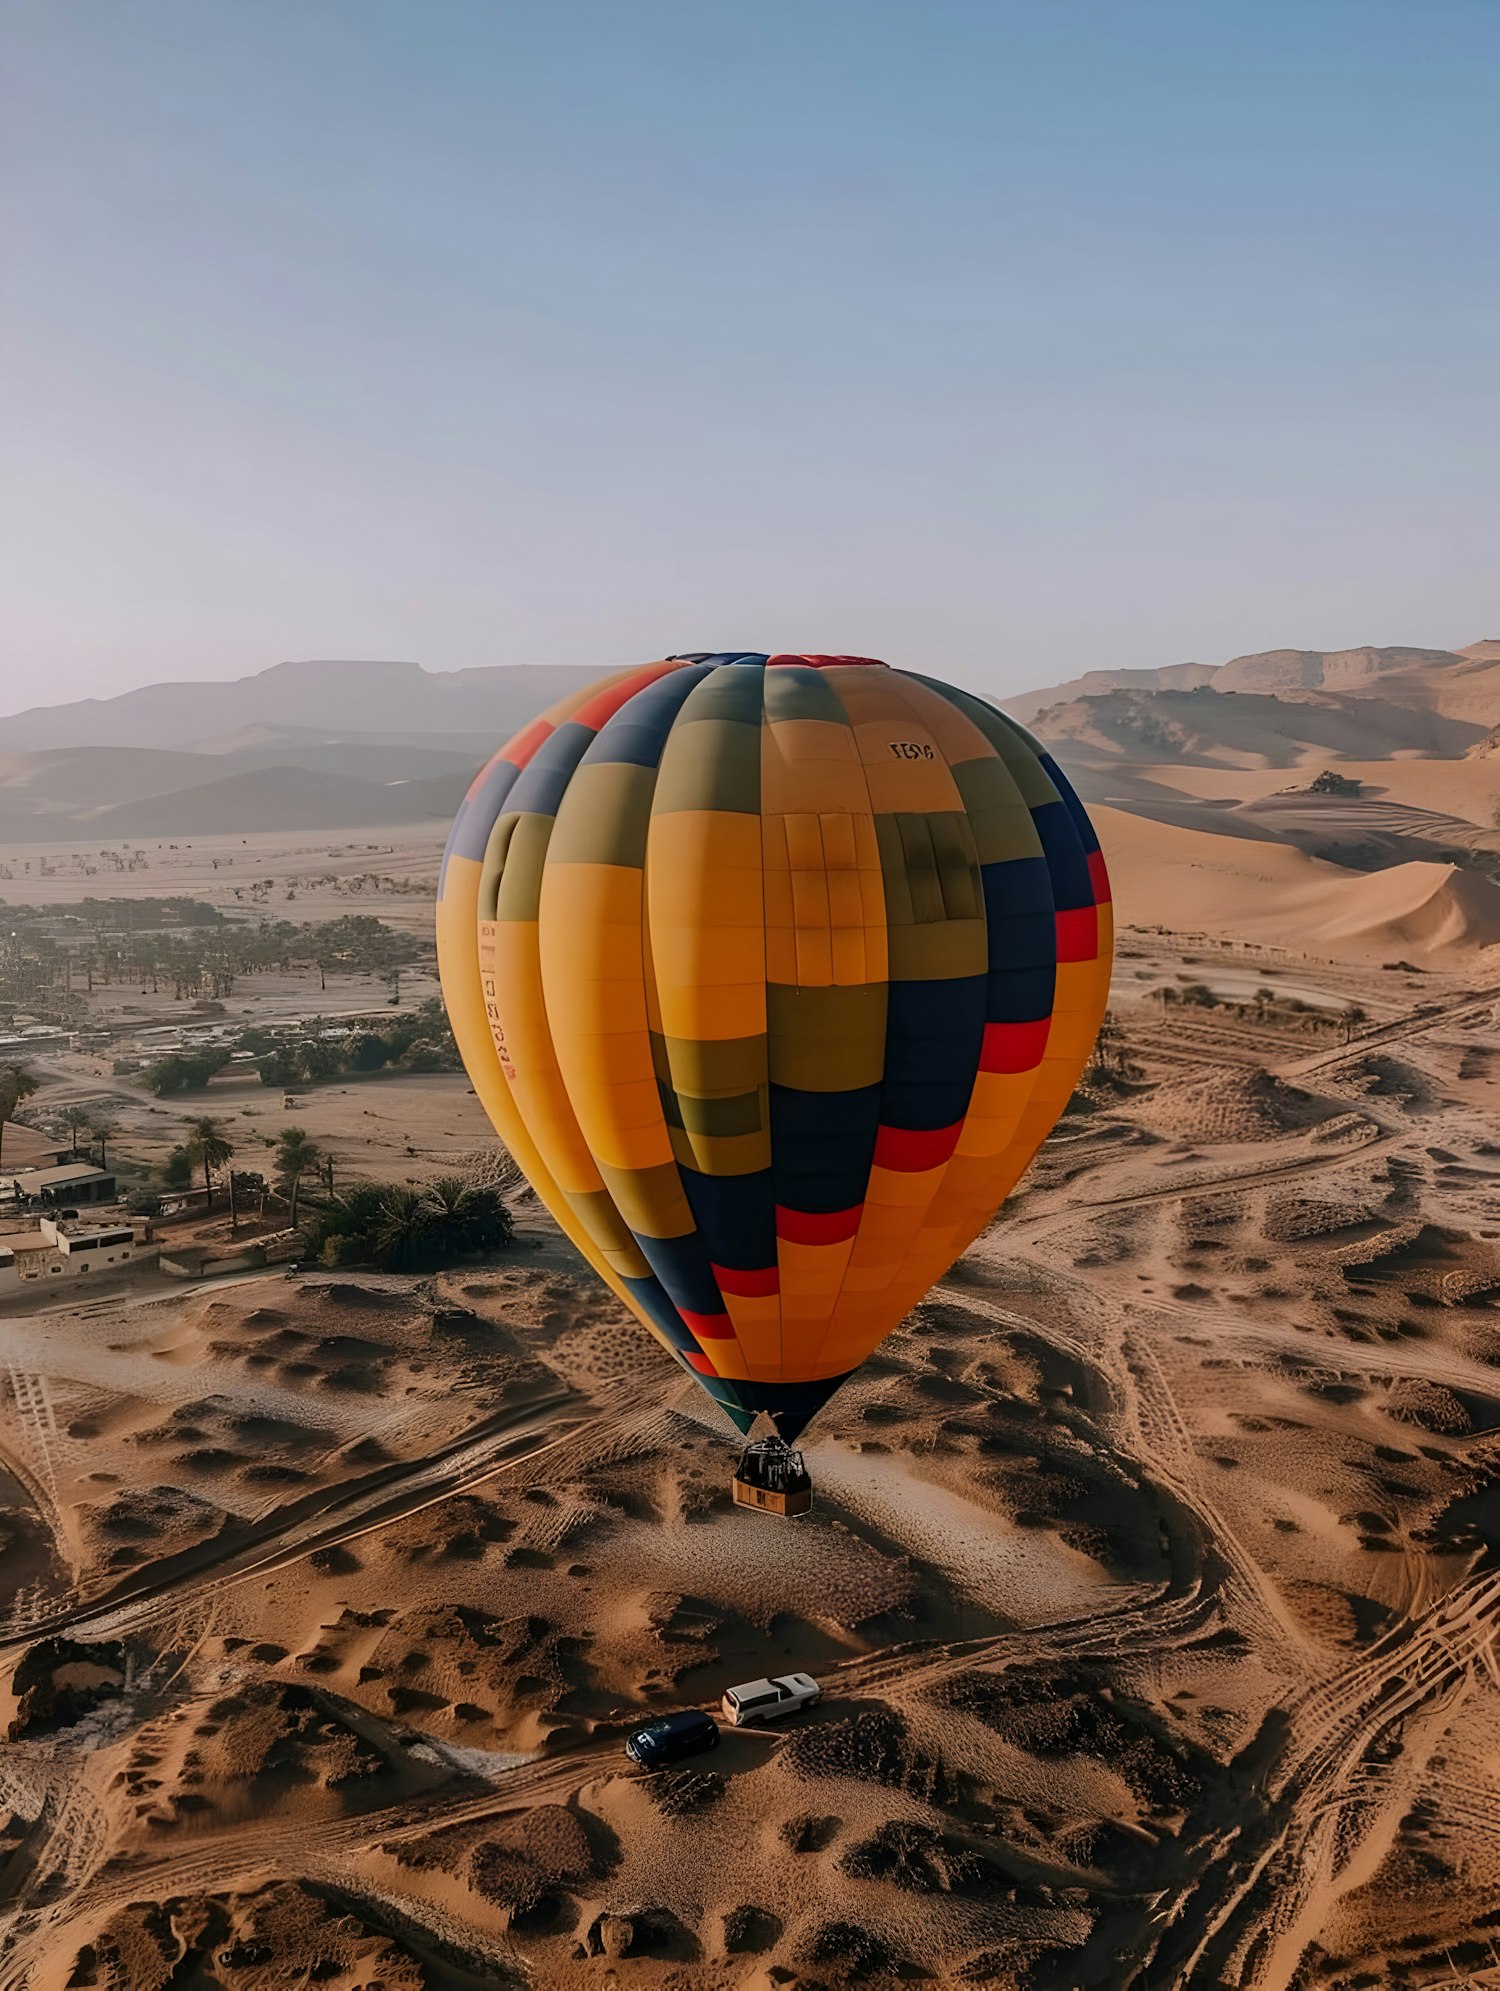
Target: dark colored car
672	1737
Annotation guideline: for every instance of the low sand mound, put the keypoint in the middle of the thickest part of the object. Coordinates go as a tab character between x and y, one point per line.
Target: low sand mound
1430	1406
1244	1105
1193	881
1294	1218
240	1938
1435	908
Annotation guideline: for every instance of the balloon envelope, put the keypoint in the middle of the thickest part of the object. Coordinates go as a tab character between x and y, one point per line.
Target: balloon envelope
773	972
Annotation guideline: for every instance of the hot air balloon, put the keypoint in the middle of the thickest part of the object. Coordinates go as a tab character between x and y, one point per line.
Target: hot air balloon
773	972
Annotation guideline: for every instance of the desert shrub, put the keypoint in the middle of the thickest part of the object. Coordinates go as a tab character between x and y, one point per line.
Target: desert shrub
676	1793
916	1859
1330	783
748	1929
873	1746
809	1831
1051	1716
858	1951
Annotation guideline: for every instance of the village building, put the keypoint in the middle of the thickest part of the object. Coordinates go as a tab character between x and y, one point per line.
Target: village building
71	1182
60	1248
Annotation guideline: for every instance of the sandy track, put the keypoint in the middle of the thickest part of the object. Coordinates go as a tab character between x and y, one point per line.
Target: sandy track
1156	1444
1244	1919
243	1854
1463	1009
339	1514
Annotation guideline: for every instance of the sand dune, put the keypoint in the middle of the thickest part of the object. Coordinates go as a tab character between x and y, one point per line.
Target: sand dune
1361	833
1467	788
1469	692
1435	908
1148	1580
1191	880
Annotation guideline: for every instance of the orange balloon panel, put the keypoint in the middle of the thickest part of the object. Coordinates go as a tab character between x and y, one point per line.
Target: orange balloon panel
773	972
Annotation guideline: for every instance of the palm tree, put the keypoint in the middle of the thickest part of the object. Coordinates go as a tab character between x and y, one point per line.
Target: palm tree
450	1203
296	1154
402	1221
104	1130
212	1148
17	1082
75	1119
466	1217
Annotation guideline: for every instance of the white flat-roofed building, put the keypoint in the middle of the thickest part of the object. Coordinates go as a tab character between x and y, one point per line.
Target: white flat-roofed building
67	1248
76	1237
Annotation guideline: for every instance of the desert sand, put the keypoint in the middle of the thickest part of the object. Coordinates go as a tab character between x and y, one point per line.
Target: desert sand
1239	885
390	871
1151	1577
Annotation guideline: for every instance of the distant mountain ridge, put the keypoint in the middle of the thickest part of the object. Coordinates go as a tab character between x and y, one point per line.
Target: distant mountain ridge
1323	670
1455	683
348	745
380	700
395	699
1237	728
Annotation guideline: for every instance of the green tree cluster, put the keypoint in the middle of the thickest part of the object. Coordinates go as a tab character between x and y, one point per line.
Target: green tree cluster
184	1071
399	1228
59	951
420	1042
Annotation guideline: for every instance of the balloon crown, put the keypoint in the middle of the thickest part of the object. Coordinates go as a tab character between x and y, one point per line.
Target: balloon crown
815	661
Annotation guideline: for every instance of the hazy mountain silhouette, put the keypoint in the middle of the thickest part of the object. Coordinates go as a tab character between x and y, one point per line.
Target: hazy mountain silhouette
345	744
1454	683
343	697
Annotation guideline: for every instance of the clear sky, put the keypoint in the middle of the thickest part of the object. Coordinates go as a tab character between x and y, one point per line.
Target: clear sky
1004	339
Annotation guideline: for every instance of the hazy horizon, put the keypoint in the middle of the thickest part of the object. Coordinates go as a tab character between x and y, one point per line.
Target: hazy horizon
1010	341
15	708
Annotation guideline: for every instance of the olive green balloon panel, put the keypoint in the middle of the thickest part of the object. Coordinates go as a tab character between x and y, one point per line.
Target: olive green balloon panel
773	972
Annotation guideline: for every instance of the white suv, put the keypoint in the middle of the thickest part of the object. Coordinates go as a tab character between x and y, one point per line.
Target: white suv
769	1700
